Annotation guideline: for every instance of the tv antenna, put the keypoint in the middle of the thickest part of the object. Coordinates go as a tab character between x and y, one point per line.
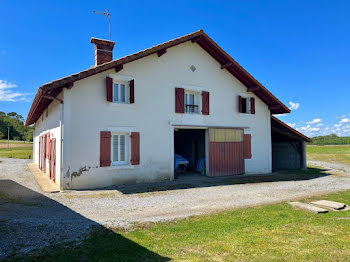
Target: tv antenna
108	16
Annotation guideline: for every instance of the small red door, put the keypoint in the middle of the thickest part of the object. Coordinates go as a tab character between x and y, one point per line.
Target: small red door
53	159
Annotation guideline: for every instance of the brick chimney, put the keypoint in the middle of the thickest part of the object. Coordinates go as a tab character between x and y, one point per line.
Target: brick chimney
103	50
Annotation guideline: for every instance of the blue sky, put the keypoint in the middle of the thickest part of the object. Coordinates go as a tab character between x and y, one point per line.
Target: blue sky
298	49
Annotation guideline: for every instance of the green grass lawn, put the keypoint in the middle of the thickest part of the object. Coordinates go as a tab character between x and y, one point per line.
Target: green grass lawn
266	233
336	153
17	152
18	149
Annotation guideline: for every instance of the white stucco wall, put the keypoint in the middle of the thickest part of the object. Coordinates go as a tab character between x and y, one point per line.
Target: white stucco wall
50	123
86	113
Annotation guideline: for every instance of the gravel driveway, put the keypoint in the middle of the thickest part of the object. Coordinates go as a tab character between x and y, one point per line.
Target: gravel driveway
31	219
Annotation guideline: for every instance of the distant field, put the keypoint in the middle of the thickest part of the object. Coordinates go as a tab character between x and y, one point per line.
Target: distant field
335	153
18	149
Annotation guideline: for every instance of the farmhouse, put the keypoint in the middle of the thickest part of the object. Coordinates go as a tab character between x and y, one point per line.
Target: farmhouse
179	107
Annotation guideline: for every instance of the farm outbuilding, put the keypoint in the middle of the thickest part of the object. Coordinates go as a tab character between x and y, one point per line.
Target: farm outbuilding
288	146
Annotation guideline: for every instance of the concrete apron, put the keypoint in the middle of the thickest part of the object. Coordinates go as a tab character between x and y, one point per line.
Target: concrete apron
43	180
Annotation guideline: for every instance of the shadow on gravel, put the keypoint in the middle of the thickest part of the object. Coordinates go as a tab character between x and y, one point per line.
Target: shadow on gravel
194	180
34	227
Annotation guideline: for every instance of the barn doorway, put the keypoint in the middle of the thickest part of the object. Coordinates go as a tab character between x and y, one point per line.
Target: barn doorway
189	149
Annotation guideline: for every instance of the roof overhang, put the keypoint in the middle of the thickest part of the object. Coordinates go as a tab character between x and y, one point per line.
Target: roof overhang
41	101
282	129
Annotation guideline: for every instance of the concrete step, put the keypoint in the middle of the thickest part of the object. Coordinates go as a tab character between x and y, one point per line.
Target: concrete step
308	207
329	204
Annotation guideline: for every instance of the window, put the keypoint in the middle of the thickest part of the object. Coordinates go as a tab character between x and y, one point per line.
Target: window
246	107
120	93
120	145
191	102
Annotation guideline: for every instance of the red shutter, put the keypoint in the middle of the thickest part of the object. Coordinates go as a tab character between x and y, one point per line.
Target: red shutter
247	140
239	104
205	103
179	100
252	105
109	88
48	146
132	92
135	148
105	148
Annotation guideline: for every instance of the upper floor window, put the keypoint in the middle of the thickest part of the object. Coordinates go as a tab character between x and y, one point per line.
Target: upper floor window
191	102
120	94
246	105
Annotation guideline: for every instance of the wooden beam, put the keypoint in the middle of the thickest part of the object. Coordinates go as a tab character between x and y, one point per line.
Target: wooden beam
226	65
252	88
69	85
194	40
53	98
273	107
161	52
118	68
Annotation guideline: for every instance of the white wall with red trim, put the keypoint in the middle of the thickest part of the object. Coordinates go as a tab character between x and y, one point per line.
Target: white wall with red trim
87	113
49	122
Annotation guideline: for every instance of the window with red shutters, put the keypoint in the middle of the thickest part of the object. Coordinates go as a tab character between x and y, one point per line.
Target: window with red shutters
252	105
105	148
179	100
132	92
247	146
205	103
109	89
135	148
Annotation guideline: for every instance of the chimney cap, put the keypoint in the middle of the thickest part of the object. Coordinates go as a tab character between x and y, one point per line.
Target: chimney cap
98	41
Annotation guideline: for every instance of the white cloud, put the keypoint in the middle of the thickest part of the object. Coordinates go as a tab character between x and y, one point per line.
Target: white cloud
291	124
293	106
8	94
344	120
315	121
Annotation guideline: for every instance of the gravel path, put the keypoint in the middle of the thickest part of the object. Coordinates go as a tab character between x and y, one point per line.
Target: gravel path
31	219
331	165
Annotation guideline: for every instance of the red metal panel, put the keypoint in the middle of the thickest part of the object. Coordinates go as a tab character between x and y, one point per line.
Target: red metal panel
226	158
247	146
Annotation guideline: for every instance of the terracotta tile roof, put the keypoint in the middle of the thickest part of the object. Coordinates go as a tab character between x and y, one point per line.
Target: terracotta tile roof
46	92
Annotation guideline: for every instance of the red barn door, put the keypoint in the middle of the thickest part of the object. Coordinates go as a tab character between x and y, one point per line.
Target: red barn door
226	155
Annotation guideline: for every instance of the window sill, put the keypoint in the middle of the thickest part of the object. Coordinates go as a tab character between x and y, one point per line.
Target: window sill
122	166
112	104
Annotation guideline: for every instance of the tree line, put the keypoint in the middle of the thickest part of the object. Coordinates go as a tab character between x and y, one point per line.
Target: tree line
18	131
331	140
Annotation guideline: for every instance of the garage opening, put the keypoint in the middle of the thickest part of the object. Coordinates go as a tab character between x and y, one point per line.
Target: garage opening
288	146
189	146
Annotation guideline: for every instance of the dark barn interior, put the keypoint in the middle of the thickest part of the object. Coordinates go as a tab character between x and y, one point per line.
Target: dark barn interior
288	146
190	144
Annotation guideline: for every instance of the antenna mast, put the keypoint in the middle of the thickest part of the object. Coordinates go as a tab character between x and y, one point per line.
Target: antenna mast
108	16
